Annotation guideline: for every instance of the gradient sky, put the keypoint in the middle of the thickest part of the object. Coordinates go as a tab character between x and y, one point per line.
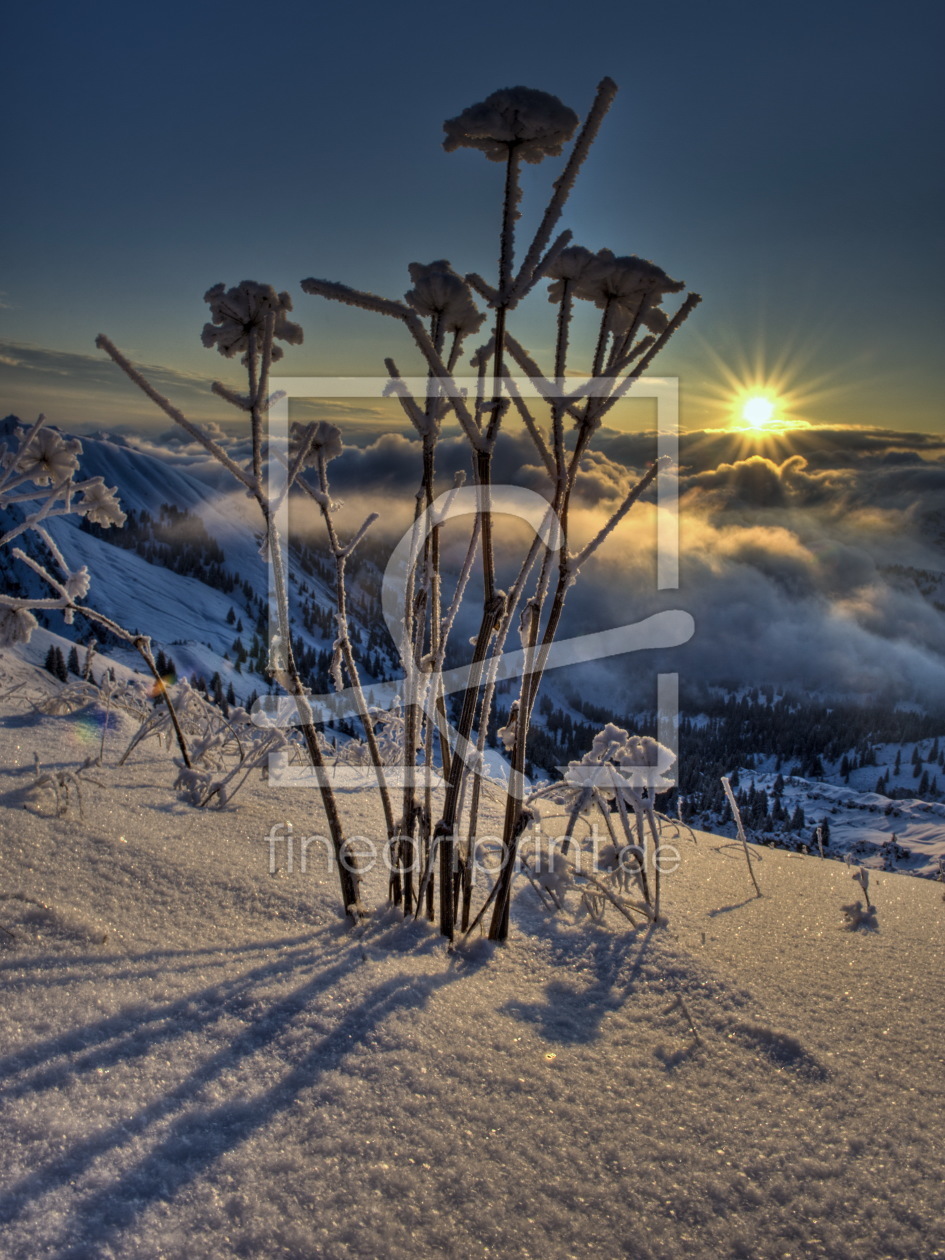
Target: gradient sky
784	162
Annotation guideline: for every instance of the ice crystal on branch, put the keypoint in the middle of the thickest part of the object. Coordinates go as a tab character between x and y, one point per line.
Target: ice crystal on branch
535	124
239	315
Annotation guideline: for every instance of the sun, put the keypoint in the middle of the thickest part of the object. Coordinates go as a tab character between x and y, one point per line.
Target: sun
758	411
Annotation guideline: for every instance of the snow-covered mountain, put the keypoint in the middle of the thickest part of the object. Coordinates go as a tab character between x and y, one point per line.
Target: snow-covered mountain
203	624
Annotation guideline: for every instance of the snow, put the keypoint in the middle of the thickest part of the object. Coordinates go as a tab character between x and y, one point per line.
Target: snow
199	1058
862	822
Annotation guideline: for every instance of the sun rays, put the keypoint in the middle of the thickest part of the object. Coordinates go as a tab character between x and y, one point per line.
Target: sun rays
765	397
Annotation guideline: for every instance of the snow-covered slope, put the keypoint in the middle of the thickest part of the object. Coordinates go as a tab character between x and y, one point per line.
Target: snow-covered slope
864	824
146	481
198	1059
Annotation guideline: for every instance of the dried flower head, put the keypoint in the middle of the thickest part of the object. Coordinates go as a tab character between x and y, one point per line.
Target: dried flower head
242	310
49	457
624	281
534	124
576	265
326	440
16	625
77	584
99	504
439	291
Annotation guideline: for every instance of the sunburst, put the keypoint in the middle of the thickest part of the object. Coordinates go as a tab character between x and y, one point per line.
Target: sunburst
763	398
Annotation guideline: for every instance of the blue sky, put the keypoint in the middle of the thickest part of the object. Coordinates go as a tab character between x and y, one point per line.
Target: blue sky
786	163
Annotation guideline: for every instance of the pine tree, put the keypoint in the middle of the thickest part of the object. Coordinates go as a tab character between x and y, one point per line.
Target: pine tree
50	662
230	617
73	662
230	695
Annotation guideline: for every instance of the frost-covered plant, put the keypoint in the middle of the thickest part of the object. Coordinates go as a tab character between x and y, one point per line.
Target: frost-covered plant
625	295
64	784
620	775
41	475
248	319
315	445
740	829
212	780
855	916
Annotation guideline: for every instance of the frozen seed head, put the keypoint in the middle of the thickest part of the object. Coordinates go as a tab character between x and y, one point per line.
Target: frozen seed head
238	312
49	458
574	265
99	504
625	281
326	440
16	626
534	124
439	291
643	750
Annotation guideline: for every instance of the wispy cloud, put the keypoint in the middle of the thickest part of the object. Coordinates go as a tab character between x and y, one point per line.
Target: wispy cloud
87	391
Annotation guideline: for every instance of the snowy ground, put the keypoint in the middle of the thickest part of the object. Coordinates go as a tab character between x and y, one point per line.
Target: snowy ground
198	1059
862	823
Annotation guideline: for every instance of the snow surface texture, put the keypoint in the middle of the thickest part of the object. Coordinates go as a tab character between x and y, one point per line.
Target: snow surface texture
198	1059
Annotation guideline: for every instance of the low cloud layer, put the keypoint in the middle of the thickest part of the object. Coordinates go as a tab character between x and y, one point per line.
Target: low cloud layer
815	560
815	563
